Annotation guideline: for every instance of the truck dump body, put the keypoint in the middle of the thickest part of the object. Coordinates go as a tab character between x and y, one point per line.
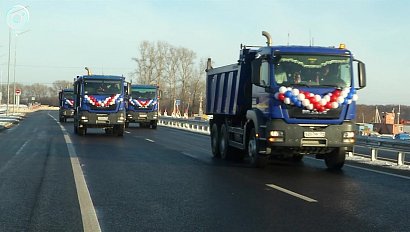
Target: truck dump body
228	89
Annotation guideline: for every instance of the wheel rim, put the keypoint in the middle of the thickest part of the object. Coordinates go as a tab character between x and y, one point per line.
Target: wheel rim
252	148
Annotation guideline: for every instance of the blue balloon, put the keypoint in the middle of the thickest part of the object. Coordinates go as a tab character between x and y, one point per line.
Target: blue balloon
345	101
353	91
298	104
288	94
294	99
349	95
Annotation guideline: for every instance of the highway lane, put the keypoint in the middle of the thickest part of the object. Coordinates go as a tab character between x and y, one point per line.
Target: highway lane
37	190
166	180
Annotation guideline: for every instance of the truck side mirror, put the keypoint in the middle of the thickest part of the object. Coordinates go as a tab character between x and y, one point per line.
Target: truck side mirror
361	69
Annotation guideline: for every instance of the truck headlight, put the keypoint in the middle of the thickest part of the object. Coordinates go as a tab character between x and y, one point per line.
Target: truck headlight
276	136
348	137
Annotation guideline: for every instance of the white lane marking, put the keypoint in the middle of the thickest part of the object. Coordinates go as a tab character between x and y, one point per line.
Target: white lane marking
305	198
149	140
189	155
127	132
22	147
371	170
88	214
380	172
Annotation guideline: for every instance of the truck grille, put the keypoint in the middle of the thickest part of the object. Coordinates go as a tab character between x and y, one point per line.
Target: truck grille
112	107
296	112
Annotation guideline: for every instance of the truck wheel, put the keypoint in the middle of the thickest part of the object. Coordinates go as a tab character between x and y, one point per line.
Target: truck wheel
255	159
215	141
297	158
82	130
127	124
75	129
154	125
109	130
336	159
61	119
224	149
119	130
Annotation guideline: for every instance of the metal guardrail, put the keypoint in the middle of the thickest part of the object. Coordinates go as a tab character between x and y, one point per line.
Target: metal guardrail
199	126
374	143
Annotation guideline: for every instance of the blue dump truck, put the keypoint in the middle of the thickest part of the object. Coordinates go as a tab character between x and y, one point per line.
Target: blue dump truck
284	102
66	104
99	103
142	105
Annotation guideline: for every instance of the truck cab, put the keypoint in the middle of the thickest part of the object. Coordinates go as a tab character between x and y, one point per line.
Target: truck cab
143	105
66	104
99	103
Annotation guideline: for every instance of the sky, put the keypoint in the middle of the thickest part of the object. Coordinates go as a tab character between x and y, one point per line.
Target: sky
56	39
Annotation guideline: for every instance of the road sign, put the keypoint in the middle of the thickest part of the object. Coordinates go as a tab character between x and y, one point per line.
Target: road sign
18	92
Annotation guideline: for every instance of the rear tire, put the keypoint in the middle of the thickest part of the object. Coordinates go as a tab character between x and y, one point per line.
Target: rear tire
82	130
154	125
224	149
119	130
336	159
127	124
215	141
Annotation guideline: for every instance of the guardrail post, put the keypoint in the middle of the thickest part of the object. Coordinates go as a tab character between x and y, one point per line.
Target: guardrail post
400	158
374	154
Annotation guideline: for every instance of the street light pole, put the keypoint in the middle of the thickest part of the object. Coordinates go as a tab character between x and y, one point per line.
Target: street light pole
8	75
14	73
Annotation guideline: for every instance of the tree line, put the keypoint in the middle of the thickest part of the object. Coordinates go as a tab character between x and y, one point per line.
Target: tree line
176	72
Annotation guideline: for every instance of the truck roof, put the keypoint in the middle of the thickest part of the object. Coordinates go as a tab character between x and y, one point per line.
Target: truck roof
144	86
102	77
306	50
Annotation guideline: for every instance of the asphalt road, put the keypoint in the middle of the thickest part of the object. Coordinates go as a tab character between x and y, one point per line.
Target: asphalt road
166	180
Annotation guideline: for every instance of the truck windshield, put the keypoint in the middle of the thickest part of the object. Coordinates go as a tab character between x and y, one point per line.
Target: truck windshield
313	70
144	93
102	87
68	95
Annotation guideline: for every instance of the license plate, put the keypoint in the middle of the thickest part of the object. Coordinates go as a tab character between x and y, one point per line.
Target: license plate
315	134
102	118
142	115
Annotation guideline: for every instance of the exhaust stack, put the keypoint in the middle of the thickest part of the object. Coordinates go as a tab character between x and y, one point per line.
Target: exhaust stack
268	38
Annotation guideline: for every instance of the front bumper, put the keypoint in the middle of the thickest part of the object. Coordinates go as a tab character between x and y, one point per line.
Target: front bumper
141	116
308	138
101	120
67	113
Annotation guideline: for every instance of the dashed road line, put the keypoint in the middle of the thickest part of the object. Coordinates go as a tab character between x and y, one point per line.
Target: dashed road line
305	198
150	140
88	213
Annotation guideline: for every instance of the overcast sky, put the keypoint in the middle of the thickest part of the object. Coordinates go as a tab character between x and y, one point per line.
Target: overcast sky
64	36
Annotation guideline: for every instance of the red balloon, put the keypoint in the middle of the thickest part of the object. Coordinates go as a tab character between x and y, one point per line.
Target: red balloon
333	98
336	93
328	105
317	105
281	96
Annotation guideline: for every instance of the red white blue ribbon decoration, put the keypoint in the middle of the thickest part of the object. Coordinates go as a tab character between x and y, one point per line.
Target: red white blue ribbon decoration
142	103
315	102
69	102
99	103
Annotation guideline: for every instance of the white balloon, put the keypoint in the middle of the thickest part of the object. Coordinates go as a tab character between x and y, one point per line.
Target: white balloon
344	94
349	101
327	97
355	97
340	100
311	95
301	97
286	100
309	107
289	89
305	102
283	89
335	105
295	92
318	97
323	102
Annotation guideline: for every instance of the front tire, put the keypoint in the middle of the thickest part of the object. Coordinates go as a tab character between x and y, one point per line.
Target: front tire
255	159
336	159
